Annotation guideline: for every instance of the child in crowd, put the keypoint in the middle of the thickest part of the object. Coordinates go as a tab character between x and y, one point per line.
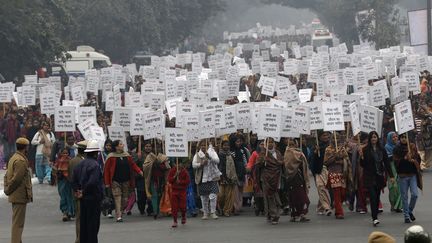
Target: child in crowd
179	179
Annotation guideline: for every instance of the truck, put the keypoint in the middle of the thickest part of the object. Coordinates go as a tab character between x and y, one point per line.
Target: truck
84	58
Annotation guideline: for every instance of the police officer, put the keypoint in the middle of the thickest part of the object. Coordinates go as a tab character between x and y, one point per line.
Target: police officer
18	187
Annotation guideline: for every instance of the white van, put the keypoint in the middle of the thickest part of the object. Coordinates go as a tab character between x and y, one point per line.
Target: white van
84	58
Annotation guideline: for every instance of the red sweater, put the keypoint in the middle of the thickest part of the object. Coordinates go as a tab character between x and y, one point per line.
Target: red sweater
183	179
109	170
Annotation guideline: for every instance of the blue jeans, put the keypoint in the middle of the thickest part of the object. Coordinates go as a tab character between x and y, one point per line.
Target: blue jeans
410	183
43	170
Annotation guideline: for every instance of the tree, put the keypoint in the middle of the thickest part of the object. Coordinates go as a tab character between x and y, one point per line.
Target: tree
31	34
339	16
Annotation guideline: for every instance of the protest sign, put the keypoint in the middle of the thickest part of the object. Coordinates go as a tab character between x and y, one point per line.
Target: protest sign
192	126
109	101
347	100
86	112
274	103
84	128
176	143
77	94
305	95
376	95
28	95
268	85
153	124
371	119
136	122
243	116
316	116
6	90
97	133
270	120
412	79
355	118
207	124
116	133
64	118
184	109
288	130
302	119
404	119
133	99
171	106
333	116
122	118
230	113
48	103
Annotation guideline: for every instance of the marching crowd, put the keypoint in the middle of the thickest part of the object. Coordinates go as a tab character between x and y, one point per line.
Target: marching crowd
221	175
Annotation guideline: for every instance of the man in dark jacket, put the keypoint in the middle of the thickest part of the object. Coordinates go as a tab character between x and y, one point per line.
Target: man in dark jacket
88	188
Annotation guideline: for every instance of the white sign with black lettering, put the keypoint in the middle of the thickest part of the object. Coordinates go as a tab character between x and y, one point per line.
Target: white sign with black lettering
404	119
376	95
176	142
347	100
333	116
116	133
6	90
355	118
136	123
371	119
288	130
302	119
305	95
153	124
270	120
86	112
64	118
230	113
28	95
207	124
243	116
316	116
268	85
122	118
48	103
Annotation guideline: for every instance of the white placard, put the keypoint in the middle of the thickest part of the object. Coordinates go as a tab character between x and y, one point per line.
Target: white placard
302	119
136	122
288	130
243	116
355	118
116	133
28	95
84	128
77	94
305	95
97	133
230	113
171	106
333	116
176	143
48	103
86	112
404	119
268	85
207	124
64	118
153	124
371	119
270	120
6	90
122	118
347	100
316	116
377	95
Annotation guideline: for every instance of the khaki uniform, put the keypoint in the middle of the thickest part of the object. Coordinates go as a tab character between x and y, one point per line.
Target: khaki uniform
72	164
18	187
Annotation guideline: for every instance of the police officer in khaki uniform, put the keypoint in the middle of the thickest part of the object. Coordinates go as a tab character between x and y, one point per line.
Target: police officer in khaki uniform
18	187
72	164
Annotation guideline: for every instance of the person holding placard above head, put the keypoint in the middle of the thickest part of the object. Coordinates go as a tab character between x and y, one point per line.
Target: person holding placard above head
207	175
240	157
118	173
374	160
269	165
339	174
319	171
297	181
407	163
44	140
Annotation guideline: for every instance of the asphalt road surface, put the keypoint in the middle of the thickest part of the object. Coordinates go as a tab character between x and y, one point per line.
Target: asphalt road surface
43	224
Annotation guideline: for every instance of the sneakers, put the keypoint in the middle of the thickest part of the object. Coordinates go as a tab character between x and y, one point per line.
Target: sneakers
110	216
362	212
204	217
214	216
328	212
303	219
376	222
407	221
119	220
411	215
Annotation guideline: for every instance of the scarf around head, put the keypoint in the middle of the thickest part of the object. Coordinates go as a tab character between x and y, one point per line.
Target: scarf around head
389	147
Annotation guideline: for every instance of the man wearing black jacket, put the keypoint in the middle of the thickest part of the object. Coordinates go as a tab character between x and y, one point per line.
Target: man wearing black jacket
88	188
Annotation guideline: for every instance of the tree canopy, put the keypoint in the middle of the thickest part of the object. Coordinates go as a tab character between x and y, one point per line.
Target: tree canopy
34	32
339	16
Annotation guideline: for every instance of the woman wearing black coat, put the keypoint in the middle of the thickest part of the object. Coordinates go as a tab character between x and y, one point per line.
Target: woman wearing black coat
374	161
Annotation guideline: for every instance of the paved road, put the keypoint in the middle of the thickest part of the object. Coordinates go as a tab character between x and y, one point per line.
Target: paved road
44	225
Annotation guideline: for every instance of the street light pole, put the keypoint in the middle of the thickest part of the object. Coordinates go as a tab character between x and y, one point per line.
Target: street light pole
429	27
